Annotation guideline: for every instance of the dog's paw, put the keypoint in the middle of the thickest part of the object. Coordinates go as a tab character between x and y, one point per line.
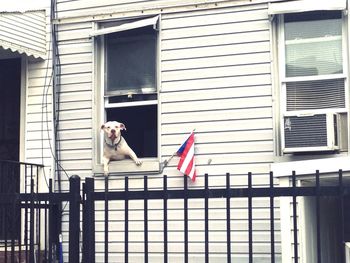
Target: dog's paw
138	162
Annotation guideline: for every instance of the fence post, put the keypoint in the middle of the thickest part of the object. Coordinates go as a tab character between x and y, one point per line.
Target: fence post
89	222
74	218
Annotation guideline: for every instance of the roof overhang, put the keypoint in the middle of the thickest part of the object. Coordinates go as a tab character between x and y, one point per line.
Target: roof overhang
24	32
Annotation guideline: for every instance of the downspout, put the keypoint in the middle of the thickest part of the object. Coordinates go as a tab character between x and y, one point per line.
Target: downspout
56	70
55	92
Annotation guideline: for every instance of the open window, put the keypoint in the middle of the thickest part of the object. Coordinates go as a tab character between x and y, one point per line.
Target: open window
127	86
312	78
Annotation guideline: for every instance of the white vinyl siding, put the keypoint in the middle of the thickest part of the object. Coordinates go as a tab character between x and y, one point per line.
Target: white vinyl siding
215	77
24	32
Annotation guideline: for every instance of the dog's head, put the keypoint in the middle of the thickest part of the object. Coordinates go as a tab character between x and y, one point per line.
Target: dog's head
112	129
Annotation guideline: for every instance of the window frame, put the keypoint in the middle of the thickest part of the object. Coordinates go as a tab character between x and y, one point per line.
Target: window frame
282	81
150	165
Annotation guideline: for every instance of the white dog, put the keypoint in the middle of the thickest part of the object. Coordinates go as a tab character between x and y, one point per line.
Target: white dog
115	146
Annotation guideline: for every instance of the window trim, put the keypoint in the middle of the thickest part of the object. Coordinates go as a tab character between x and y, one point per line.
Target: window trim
300	6
150	165
283	80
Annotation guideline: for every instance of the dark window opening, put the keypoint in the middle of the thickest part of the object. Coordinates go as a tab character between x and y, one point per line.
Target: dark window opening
141	128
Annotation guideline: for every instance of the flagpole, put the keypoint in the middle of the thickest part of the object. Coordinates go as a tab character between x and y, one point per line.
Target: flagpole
165	163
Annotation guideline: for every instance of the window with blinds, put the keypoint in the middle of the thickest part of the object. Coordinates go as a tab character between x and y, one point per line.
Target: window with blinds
314	76
313	81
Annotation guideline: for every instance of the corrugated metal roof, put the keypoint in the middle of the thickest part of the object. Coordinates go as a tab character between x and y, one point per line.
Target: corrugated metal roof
24	32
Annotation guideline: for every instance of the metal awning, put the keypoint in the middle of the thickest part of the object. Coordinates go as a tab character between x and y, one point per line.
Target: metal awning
298	6
152	21
24	32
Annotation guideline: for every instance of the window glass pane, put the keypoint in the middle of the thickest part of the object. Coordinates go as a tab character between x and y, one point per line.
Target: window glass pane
131	61
313	47
317	94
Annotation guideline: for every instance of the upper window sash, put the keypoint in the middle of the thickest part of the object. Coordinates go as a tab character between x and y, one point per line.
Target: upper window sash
151	21
299	6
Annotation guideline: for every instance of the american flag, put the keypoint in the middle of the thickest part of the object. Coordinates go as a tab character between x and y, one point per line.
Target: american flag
186	152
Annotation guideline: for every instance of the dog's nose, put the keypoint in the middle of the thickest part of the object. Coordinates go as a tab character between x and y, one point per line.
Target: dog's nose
113	131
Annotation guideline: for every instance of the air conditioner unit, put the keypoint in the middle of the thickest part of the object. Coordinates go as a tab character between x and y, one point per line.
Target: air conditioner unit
311	133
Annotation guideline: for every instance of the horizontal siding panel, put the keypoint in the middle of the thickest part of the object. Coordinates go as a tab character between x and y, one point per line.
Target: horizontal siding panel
76	78
215	50
213	137
214	126
77	114
216	61
75	134
70	155
229	81
217	72
76	105
75	96
234	103
215	40
70	87
216	93
214	18
76	165
247	26
243	148
76	144
39	117
74	34
74	124
76	68
217	115
83	46
76	58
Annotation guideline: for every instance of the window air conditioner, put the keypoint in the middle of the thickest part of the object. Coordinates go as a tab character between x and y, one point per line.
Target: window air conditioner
311	133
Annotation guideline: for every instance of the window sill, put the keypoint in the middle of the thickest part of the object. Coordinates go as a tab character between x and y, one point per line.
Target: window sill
309	167
122	167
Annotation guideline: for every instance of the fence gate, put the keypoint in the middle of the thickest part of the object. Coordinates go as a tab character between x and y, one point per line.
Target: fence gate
30	221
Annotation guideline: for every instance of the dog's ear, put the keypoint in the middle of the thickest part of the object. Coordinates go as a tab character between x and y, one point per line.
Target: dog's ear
102	126
122	126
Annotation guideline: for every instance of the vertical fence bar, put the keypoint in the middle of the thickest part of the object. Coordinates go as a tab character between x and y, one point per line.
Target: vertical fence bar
145	188
272	218
206	218
342	226
31	230
74	218
14	229
89	222
106	220
185	219
250	218
26	215
51	225
318	222
295	218
165	218
126	221
38	214
228	218
45	233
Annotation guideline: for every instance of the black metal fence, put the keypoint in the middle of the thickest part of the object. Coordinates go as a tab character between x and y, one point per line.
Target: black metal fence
337	190
27	246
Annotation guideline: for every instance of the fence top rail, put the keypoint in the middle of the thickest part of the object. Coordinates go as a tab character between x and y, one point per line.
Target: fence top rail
22	163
